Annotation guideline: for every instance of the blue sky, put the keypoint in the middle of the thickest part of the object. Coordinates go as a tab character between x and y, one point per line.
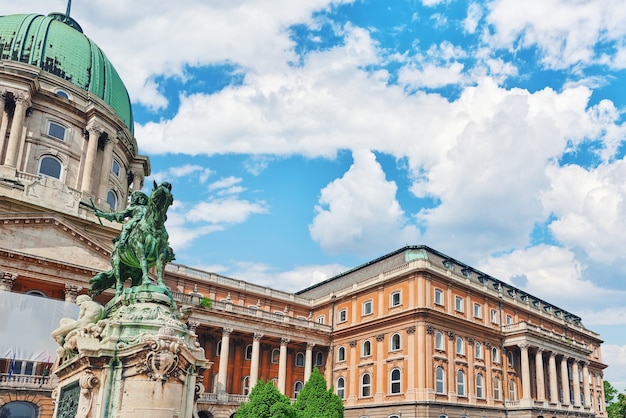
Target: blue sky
305	138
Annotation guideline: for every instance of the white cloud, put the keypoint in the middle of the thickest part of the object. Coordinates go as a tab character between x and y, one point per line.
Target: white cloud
362	205
186	170
474	14
228	210
224	183
615	355
431	75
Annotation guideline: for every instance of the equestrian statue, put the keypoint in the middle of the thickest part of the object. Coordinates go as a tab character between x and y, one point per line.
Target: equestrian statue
142	244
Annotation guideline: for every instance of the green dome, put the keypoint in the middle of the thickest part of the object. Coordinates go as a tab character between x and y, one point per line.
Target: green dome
56	44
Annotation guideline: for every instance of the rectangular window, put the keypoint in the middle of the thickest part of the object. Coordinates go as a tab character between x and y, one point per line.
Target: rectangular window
342	315
458	304
477	311
367	307
395	299
438	297
509	320
57	131
115	168
320	319
494	316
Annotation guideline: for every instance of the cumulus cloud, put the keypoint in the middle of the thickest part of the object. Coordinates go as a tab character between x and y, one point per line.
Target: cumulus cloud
197	172
362	205
615	355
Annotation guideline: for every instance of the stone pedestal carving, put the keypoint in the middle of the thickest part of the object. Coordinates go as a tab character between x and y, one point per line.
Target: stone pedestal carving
140	360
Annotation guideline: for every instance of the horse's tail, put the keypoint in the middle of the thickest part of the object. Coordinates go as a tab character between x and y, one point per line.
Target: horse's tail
101	282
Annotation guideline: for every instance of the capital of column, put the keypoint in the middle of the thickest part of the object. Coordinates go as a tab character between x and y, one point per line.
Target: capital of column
94	130
22	99
227	331
71	292
524	346
257	336
352	343
3	94
7	280
553	354
451	335
284	341
430	330
193	325
380	337
310	346
410	330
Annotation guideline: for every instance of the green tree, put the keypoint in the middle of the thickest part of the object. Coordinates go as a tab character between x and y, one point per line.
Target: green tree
315	401
616	408
266	401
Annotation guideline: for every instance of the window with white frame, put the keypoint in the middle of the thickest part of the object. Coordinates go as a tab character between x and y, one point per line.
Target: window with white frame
438	297
62	93
297	387
495	355
509	320
509	356
460	383
245	387
480	386
512	390
299	360
478	351
367	307
50	166
458	303
341	388
341	354
395	342
440	384
112	199
496	388
249	352
395	380
439	341
460	346
366	385
494	316
116	168
477	311
275	355
366	350
319	358
56	130
342	315
320	319
396	299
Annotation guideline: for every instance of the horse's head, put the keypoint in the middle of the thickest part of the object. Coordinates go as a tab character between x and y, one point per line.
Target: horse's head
161	196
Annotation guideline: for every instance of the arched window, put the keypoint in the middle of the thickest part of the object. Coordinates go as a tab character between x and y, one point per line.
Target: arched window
218	349
440	386
367	349
37	293
512	390
341	388
439	342
366	385
496	388
297	387
495	355
480	386
245	387
19	409
599	404
112	199
319	358
460	346
395	380
299	360
341	354
509	356
478	348
62	93
393	416
50	167
395	342
460	383
116	168
249	352
275	355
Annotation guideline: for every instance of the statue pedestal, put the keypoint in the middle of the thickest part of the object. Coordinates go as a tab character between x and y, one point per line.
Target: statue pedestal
141	360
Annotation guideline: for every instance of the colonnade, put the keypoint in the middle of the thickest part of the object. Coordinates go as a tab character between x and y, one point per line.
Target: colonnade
254	364
553	381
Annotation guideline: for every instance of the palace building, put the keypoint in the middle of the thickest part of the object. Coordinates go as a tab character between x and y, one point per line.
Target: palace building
414	333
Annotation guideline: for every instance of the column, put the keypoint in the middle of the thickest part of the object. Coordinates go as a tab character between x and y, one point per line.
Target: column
564	381
541	389
554	389
90	157
254	363
7	280
223	370
576	383
107	161
525	371
379	394
71	292
586	388
353	395
412	366
308	361
470	384
22	102
282	365
3	97
451	353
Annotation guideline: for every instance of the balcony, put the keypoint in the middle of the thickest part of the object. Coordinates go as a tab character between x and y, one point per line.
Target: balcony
27	381
523	327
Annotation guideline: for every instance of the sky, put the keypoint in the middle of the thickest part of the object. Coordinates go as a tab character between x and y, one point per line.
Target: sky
304	138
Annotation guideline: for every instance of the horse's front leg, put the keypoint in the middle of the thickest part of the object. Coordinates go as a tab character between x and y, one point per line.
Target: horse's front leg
160	267
143	262
119	280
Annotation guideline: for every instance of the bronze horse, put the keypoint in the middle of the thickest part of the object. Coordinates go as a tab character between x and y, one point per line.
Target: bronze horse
145	247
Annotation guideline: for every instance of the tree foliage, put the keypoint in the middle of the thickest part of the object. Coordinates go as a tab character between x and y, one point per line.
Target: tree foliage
616	408
315	401
266	401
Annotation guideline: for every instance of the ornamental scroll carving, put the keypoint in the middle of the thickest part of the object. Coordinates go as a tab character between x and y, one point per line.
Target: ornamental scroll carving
162	360
87	383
